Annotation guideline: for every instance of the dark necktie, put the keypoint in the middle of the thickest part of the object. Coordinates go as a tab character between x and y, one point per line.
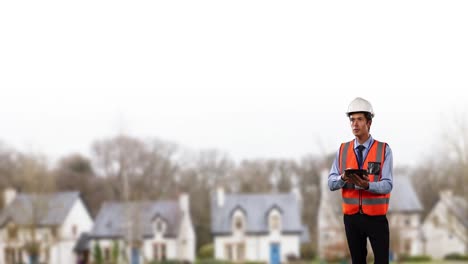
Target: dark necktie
360	149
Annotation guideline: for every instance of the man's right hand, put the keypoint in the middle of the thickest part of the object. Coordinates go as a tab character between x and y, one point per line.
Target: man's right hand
344	177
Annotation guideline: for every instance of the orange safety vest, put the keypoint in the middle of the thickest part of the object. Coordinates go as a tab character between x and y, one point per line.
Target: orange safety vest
359	200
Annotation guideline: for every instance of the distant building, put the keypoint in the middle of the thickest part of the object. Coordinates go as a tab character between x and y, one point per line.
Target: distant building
158	230
257	227
60	218
446	226
404	218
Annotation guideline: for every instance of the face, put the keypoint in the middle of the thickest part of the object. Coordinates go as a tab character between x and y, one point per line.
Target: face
359	125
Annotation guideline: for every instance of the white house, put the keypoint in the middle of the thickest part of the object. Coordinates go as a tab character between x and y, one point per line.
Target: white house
404	217
256	227
59	219
157	230
446	226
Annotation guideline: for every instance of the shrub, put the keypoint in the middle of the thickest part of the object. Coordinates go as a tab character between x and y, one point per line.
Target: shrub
456	256
206	252
307	251
98	258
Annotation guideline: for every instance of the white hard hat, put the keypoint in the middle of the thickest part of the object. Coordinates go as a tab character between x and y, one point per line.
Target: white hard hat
360	105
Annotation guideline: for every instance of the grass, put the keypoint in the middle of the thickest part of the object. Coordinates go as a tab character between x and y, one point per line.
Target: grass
429	262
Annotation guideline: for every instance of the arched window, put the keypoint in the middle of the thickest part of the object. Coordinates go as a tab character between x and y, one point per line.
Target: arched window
274	220
159	226
238	220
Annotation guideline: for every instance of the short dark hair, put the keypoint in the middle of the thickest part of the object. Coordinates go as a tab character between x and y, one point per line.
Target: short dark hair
368	115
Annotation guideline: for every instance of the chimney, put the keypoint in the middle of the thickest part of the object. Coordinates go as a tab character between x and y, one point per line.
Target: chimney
220	196
8	196
295	187
296	190
184	202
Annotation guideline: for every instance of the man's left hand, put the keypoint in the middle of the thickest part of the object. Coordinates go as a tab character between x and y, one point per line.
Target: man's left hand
361	182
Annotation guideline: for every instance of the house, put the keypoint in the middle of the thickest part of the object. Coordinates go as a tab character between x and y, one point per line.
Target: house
404	217
256	227
55	220
446	226
144	230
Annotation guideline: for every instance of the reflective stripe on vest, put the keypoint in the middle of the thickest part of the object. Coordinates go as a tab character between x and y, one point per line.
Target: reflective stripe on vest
354	199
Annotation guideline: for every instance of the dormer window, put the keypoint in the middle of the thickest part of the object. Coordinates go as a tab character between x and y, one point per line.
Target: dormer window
238	223
274	220
159	225
12	231
238	220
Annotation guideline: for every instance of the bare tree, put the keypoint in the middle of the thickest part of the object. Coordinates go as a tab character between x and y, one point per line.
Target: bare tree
146	167
35	179
8	166
447	167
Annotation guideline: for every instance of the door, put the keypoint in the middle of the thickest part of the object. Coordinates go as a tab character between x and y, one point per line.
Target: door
275	253
135	256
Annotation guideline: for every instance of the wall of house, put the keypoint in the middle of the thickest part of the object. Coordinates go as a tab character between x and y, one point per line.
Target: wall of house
62	252
407	228
444	233
147	247
76	222
258	247
171	247
79	217
2	247
104	244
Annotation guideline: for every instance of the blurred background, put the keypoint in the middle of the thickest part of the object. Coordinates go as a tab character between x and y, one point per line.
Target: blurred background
128	102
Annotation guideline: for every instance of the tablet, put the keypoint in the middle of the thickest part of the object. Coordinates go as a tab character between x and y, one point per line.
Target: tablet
358	172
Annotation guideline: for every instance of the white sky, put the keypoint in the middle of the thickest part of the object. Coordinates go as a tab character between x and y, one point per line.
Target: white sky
256	79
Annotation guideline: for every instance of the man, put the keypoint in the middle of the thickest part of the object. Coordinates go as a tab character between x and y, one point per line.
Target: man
366	198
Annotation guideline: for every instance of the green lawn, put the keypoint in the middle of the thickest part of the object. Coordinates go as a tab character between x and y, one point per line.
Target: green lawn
430	262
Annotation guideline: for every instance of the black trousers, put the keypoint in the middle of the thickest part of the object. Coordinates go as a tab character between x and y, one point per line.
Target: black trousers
358	228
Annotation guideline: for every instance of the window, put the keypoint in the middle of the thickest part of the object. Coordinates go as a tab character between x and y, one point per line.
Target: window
234	251
107	254
74	230
274	222
47	254
407	222
407	246
54	231
159	226
13	255
12	232
228	252
241	252
238	223
159	251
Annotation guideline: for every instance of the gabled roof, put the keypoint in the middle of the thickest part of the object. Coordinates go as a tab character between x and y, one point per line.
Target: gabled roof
256	208
403	197
458	207
49	209
112	218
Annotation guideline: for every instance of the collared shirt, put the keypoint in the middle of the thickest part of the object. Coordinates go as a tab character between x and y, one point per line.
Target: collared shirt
382	187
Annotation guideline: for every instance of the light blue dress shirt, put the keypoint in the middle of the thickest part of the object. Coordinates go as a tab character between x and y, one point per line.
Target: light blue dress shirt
382	187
